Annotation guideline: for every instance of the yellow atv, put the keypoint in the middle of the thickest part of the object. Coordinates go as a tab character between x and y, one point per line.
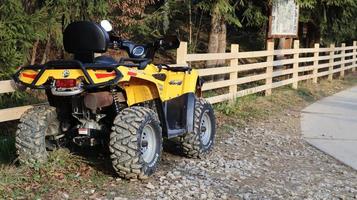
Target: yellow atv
129	105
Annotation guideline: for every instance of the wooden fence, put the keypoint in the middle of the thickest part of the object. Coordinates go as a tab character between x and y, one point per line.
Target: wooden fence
261	71
250	72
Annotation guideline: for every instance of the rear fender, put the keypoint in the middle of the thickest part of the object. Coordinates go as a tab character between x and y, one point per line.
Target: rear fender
139	90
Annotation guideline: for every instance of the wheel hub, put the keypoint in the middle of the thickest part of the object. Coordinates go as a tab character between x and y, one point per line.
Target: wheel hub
205	128
148	144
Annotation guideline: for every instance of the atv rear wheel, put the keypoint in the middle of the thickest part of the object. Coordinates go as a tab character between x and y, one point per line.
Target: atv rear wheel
198	143
136	143
35	126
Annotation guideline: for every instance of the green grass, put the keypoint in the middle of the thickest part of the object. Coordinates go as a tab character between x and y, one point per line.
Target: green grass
63	171
241	108
256	107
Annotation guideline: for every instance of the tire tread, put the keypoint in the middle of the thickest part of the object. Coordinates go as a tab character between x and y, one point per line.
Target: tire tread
31	132
190	142
123	142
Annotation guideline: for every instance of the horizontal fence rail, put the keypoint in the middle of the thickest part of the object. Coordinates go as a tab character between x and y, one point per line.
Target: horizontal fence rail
245	73
268	69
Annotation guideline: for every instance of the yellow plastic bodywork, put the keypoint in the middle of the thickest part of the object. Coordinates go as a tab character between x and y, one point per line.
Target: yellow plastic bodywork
139	85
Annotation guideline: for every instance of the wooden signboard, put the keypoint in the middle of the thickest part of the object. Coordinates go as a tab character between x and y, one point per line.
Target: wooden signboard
284	19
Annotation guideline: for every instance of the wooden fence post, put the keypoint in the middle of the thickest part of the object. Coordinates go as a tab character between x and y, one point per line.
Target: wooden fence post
316	63
354	55
331	61
233	76
270	68
181	57
343	52
296	64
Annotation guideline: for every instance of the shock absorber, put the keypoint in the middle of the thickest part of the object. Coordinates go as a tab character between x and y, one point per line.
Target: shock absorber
116	99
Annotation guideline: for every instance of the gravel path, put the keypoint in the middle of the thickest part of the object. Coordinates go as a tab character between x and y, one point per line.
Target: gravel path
261	161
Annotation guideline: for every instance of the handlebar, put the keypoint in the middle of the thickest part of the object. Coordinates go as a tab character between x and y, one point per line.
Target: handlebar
144	50
137	51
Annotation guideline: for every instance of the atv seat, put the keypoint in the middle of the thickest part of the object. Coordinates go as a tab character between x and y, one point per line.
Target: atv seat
83	39
105	60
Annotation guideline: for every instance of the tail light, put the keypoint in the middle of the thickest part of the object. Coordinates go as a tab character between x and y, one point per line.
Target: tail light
66	83
67	87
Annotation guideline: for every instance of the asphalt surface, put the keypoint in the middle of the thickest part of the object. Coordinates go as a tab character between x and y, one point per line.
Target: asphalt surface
331	126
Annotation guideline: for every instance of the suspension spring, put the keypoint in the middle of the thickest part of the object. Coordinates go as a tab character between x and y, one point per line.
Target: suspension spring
116	98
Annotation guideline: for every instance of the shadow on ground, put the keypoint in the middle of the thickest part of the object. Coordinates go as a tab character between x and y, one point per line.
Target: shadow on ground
7	142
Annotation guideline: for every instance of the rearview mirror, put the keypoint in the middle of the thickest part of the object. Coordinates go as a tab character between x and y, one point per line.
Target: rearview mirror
105	24
169	42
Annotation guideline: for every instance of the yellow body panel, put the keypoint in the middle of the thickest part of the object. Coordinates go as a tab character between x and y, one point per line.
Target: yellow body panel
140	91
139	85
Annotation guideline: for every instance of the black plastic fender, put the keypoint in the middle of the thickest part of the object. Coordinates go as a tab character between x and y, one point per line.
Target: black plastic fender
178	115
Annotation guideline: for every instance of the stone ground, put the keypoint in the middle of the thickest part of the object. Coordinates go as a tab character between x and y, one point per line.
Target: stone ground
268	160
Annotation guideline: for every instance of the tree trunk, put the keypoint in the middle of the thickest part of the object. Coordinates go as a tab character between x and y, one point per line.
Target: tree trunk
222	44
197	33
213	42
190	22
217	37
34	51
316	36
47	50
313	35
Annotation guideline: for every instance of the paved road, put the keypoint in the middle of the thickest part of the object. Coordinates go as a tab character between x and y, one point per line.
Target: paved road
331	125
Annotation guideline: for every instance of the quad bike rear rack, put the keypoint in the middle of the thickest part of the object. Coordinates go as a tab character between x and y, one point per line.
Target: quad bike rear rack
72	64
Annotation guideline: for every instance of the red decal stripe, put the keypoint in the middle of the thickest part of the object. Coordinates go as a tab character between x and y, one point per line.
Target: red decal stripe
131	73
33	76
105	75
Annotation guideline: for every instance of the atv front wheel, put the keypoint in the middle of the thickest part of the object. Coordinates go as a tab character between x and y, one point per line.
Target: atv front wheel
136	143
36	125
199	142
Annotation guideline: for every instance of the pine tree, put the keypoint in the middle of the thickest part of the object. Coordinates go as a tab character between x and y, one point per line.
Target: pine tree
18	31
26	24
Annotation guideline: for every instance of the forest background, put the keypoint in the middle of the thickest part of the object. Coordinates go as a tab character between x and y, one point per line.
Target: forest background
31	30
